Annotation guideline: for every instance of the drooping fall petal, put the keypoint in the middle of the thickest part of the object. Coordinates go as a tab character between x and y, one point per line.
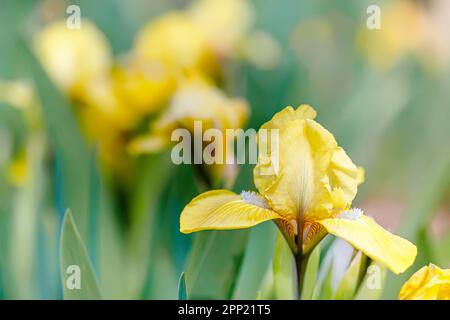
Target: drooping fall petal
366	235
429	283
224	210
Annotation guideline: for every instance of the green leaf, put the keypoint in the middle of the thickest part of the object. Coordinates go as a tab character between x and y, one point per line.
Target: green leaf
214	262
442	252
312	269
76	268
64	132
257	259
154	170
350	280
372	284
283	270
26	213
324	290
182	293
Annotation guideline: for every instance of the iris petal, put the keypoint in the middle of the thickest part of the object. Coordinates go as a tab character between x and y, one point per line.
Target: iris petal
222	210
372	239
429	283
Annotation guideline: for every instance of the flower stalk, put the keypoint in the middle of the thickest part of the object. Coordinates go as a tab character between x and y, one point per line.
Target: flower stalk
301	259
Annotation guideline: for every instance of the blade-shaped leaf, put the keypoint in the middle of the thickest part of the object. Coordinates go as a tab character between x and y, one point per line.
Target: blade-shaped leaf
214	262
257	259
78	278
310	278
372	284
70	147
182	293
283	270
350	280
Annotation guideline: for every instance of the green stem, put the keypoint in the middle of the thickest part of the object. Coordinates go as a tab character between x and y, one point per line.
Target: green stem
300	262
300	259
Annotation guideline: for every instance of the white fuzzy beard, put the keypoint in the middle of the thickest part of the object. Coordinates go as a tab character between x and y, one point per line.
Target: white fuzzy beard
351	214
254	199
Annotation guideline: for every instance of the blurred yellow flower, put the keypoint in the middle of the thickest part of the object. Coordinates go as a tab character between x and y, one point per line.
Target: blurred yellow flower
401	32
176	42
106	130
224	23
109	108
145	87
18	172
306	185
73	57
196	99
429	283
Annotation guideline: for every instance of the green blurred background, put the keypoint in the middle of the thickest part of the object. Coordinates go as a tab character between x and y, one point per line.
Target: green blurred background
390	113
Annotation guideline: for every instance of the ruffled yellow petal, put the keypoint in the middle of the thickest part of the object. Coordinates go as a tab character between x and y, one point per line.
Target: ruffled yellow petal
224	210
308	174
289	114
298	183
429	283
343	178
369	237
361	175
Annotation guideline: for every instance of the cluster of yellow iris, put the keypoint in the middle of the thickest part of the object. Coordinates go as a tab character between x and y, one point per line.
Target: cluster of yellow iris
168	79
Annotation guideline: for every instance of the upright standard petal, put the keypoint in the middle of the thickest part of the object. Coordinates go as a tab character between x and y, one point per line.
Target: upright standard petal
293	177
289	114
224	210
429	283
305	172
344	178
377	243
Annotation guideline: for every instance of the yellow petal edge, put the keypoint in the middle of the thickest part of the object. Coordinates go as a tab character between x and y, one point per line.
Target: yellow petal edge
377	243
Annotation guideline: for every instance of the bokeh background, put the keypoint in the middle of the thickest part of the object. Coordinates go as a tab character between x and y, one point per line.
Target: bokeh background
385	94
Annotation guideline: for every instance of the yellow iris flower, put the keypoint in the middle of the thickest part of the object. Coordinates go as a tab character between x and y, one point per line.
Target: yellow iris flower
429	283
306	187
196	99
